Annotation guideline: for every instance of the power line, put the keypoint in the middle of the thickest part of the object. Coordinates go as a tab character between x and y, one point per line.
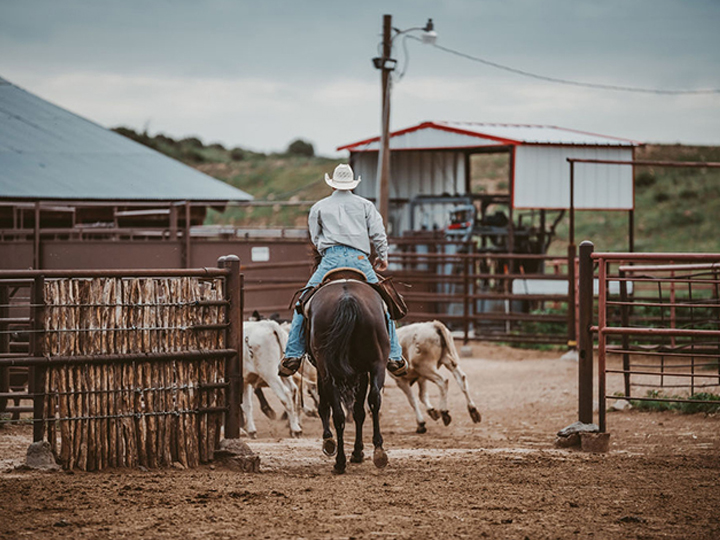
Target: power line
569	82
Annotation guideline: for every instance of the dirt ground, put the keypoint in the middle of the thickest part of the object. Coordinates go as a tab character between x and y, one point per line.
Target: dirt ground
502	478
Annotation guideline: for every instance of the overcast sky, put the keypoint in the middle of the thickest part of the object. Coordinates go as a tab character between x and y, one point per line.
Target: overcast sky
261	73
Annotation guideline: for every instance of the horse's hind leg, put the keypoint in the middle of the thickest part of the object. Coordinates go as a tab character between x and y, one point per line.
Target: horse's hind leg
377	380
339	420
329	447
359	416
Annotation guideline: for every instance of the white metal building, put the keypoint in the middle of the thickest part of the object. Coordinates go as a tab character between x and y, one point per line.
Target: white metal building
433	158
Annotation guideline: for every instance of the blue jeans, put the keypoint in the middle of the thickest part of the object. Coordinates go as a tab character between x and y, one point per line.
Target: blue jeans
336	257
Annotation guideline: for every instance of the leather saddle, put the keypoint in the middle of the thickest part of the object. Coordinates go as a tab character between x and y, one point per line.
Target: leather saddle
393	300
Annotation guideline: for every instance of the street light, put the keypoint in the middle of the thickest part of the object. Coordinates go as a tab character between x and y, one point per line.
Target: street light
386	64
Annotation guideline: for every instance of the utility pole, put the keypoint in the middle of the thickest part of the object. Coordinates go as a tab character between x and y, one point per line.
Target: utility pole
382	197
386	64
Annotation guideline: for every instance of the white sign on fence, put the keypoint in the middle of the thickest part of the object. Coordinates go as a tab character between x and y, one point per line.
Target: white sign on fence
260	254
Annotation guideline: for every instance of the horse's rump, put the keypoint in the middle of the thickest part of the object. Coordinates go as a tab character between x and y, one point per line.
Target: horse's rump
348	332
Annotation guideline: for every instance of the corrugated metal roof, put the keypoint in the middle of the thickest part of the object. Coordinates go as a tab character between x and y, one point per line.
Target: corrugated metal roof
454	135
47	152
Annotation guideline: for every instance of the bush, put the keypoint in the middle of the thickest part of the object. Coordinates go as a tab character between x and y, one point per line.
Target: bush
192	142
193	155
237	154
662	196
301	148
685	408
645	179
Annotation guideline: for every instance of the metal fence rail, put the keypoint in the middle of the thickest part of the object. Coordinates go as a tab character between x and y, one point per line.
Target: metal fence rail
663	322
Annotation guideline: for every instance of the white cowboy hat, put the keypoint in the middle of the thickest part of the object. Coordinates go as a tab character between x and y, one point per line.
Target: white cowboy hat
343	178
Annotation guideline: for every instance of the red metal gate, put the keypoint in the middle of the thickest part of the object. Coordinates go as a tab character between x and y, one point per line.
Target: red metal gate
658	328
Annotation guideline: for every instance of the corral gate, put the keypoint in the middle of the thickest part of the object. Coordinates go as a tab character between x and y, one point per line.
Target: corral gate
670	351
130	368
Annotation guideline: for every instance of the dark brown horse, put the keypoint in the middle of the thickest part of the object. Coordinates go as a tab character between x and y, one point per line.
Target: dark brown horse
348	339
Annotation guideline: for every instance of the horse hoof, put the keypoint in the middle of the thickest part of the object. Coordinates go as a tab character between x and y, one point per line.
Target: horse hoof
475	415
296	434
338	470
421	428
357	459
329	447
433	414
446	418
380	458
270	414
252	434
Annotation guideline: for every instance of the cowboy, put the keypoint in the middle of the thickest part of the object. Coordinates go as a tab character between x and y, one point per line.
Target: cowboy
342	227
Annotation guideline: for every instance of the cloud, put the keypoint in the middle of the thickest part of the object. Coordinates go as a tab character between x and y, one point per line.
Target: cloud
265	114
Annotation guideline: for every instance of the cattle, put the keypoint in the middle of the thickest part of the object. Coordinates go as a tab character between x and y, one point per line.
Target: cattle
262	351
427	346
305	382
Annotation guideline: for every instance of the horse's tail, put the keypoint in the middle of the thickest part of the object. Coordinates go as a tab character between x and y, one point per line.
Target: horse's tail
336	346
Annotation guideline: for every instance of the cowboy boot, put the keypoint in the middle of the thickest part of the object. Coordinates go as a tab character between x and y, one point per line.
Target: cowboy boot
398	368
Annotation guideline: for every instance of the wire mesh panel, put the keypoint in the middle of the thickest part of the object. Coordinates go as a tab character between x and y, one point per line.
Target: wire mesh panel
663	322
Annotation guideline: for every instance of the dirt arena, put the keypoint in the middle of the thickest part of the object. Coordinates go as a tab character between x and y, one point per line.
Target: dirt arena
502	478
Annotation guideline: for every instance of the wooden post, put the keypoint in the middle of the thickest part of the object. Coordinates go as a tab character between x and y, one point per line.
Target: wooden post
382	188
234	340
37	373
585	356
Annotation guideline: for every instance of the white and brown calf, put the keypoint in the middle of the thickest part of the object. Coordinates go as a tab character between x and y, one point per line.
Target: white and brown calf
262	351
427	346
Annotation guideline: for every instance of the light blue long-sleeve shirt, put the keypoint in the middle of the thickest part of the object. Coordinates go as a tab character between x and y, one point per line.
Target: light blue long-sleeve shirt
347	219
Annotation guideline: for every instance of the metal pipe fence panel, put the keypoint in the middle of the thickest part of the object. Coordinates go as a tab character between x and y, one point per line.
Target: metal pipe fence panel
659	331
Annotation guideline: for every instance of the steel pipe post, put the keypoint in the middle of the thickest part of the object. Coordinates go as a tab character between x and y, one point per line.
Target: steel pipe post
585	349
234	337
38	373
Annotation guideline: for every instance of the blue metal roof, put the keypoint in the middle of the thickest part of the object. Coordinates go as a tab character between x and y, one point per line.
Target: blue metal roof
47	152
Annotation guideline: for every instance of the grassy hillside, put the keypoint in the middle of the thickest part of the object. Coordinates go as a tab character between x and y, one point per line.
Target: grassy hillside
675	208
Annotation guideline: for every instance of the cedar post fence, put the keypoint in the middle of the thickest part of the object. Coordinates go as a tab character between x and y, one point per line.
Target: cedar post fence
128	368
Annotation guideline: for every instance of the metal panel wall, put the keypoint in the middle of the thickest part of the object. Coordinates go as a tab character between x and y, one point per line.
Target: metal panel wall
413	173
542	178
100	254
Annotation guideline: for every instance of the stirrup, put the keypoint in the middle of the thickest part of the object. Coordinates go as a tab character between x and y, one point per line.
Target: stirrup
289	366
399	368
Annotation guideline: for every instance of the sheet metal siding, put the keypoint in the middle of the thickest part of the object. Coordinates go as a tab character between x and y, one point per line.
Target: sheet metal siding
48	152
414	173
542	178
